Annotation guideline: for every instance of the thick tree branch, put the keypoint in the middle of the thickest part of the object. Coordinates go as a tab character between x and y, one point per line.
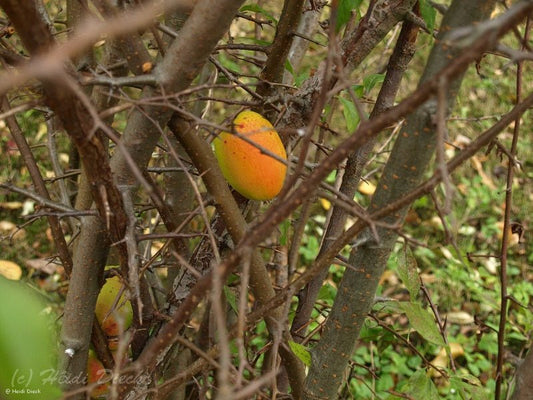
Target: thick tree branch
409	159
356	45
200	290
202	156
89	32
524	385
279	50
398	63
283	207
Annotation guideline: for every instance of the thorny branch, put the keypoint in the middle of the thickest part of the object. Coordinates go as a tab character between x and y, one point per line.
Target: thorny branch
246	237
283	207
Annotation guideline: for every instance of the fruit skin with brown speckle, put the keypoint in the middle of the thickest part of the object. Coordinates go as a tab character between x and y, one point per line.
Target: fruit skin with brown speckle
250	171
113	312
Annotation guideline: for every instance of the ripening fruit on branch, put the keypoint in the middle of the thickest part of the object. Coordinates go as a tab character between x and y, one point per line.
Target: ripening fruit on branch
112	312
96	373
249	167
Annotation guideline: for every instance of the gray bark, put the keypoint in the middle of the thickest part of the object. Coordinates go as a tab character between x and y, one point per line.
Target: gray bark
209	21
524	379
409	160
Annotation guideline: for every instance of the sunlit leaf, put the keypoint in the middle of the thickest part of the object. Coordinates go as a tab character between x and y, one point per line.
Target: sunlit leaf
350	114
370	81
11	205
366	188
459	317
301	352
325	203
443	357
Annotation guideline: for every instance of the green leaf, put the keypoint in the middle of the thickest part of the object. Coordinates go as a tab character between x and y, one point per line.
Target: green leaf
27	344
344	12
288	67
408	272
327	292
300	78
260	10
231	298
370	81
301	352
428	14
310	250
359	90
423	322
331	177
228	63
350	114
284	230
389	306
421	387
468	387
254	40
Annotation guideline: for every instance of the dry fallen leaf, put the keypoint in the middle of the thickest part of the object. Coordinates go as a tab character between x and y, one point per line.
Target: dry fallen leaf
459	317
478	165
11	205
441	360
7	226
10	270
42	264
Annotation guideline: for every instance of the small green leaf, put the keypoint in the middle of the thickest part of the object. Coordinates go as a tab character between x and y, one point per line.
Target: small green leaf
370	81
228	63
284	229
344	12
359	90
327	292
231	298
301	352
423	322
288	67
408	272
350	114
331	177
420	386
260	10
468	387
310	250
428	14
389	306
300	78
